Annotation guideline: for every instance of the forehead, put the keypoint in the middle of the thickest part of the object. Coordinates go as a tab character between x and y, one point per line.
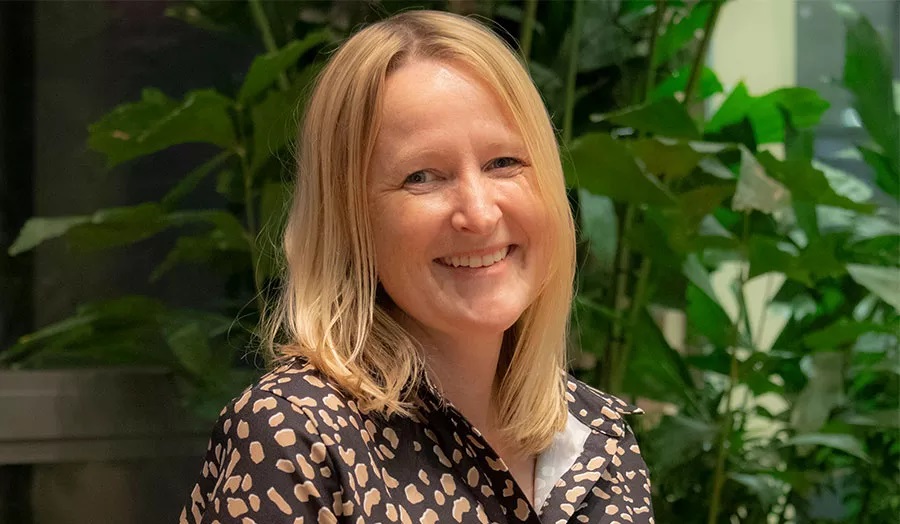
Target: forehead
427	95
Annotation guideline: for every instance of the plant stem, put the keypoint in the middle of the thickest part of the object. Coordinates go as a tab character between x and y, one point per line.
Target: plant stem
249	210
652	58
526	33
727	424
572	72
620	303
700	57
620	342
265	29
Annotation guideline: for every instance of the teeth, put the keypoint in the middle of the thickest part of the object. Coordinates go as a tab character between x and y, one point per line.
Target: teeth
477	261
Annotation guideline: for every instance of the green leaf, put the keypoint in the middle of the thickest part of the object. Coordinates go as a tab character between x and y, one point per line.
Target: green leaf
767	254
806	183
824	391
105	228
40	229
664	117
275	119
681	31
766	488
599	224
665	158
266	68
655	369
706	316
733	109
883	281
603	166
840	441
118	226
756	190
804	106
157	122
190	181
868	74
602	42
766	114
885	176
843	332
190	346
677	82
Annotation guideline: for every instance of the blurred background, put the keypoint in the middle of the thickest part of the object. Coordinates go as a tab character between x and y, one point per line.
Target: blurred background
734	169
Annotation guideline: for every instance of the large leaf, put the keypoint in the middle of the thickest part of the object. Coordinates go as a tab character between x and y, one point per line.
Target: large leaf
883	281
841	441
668	159
599	224
843	332
190	345
604	166
824	391
189	182
275	119
767	254
117	331
266	68
806	183
664	117
40	229
868	74
766	114
655	369
756	190
157	122
105	228
602	42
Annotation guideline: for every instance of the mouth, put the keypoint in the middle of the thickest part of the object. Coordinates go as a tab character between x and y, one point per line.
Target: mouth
476	261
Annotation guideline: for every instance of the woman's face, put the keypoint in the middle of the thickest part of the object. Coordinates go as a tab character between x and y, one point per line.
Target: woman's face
460	233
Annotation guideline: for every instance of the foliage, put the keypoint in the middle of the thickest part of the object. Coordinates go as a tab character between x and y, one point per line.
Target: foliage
782	393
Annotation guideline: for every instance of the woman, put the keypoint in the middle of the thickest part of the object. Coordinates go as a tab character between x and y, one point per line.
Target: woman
421	330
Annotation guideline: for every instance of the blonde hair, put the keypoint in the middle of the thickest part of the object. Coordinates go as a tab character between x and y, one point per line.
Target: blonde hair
329	312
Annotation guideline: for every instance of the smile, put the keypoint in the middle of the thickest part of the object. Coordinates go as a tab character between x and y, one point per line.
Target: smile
476	261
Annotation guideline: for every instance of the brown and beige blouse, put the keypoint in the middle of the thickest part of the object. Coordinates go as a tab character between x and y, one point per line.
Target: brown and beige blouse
293	449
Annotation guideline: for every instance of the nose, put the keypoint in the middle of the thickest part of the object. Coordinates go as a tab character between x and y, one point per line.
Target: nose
476	210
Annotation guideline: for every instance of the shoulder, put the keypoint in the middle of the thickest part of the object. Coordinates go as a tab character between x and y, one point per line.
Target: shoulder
301	385
598	410
293	395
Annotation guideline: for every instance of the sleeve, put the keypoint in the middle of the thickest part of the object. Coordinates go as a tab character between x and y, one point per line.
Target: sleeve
265	464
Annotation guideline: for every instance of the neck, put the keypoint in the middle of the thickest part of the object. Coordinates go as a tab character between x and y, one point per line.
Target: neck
465	372
464	367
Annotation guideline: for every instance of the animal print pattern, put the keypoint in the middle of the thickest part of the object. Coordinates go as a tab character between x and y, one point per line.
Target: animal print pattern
293	449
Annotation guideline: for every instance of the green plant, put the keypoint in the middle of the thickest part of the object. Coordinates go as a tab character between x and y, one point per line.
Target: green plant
678	212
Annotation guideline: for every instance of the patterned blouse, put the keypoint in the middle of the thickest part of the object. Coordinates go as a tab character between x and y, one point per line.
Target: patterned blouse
293	449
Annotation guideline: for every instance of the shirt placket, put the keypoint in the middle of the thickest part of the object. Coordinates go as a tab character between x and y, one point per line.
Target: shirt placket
505	502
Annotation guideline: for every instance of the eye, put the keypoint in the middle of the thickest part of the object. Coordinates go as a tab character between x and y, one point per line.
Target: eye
419	177
504	162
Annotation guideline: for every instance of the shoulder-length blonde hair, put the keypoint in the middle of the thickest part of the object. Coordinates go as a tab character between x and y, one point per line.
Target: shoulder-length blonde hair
330	311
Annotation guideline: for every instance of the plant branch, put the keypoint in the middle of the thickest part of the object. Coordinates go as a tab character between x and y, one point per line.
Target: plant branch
265	30
727	424
572	72
700	57
658	17
620	342
526	33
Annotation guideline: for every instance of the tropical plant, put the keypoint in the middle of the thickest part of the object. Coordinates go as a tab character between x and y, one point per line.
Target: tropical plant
680	215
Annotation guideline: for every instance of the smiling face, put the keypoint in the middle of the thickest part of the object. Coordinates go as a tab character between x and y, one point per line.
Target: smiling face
460	232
